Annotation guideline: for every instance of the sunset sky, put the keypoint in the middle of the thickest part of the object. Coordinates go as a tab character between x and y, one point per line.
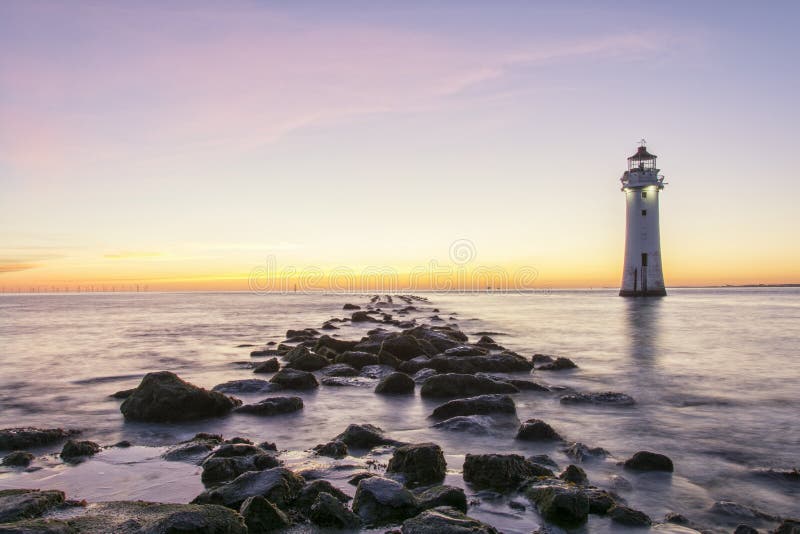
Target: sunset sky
187	145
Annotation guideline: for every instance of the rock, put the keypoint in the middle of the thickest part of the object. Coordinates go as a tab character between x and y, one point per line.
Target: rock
543	460
559	364
305	332
347	381
250	385
560	504
600	501
193	450
788	526
466	350
527	385
278	485
445	520
273	406
332	449
267	366
542	358
337	345
395	383
649	461
357	359
474	424
29	437
232	460
308	495
295	379
574	475
442	496
480	405
537	430
376	371
18	459
358	477
265	352
628	516
620	483
351	307
260	515
156	518
419	463
387	358
580	452
403	347
496	471
364	436
122	394
328	511
77	449
17	504
460	385
745	529
607	398
423	374
307	361
340	369
504	362
362	317
380	500
163	397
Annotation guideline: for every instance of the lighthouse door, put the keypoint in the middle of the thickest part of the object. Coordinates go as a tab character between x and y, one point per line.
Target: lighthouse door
644	273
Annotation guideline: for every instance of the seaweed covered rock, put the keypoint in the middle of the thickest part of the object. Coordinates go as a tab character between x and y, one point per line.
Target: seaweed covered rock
628	516
332	449
278	485
480	405
403	347
442	496
328	511
163	396
29	437
395	383
18	459
445	520
260	515
273	406
16	504
295	379
496	471
462	385
74	450
380	501
418	463
561	503
234	459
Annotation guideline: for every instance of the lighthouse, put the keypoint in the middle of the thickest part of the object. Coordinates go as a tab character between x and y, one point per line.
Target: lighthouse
641	274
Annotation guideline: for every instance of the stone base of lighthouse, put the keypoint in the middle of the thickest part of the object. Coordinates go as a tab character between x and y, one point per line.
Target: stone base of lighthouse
648	293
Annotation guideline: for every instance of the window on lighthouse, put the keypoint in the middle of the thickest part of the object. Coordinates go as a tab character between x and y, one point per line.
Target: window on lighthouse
644	213
644	194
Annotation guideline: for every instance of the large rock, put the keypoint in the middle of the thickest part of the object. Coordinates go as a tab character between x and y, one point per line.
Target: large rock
193	450
18	459
480	405
628	516
460	385
442	496
380	500
362	317
582	452
328	511
364	436
163	396
337	345
278	485
605	398
267	366
419	463
273	406
357	359
505	362
234	459
788	526
440	339
474	424
560	503
559	364
649	461
74	450
16	504
308	495
395	383
537	430
156	518
403	347
445	520
496	471
28	437
303	359
295	379
260	515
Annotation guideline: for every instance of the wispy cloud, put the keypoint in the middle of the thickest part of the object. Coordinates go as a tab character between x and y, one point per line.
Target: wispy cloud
131	254
16	267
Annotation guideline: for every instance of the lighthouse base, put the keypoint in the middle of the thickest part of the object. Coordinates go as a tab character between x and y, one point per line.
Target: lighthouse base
648	293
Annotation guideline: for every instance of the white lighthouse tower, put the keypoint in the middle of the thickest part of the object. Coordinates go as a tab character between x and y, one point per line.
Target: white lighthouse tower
642	275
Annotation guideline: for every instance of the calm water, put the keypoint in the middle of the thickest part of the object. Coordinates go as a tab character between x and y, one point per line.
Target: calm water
714	372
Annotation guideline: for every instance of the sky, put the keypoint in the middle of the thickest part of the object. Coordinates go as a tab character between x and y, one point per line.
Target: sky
219	145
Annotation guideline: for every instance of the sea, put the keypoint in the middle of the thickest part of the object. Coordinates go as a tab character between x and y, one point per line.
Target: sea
715	374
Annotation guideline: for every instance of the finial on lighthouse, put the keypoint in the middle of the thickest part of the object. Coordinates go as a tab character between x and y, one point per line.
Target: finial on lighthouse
642	273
